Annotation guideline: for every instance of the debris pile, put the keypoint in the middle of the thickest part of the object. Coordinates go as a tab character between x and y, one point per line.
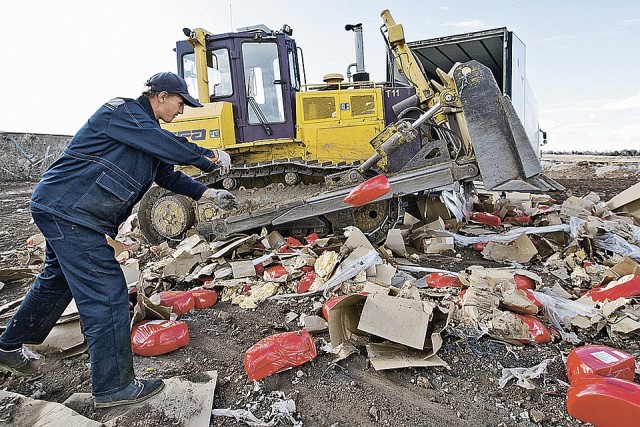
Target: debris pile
379	299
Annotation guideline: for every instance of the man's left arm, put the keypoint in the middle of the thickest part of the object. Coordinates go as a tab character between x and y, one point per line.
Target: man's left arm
178	182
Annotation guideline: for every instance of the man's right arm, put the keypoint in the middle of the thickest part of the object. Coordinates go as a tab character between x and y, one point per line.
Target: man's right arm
130	125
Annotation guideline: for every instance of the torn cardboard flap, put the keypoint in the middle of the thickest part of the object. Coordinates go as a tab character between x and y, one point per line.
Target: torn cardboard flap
628	201
344	318
400	320
434	243
355	239
395	242
394	356
506	326
520	250
242	269
627	266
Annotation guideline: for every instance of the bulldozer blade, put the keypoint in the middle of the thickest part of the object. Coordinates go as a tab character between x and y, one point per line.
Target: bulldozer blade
505	156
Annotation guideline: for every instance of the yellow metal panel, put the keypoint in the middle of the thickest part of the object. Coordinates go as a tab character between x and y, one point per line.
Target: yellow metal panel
358	118
210	126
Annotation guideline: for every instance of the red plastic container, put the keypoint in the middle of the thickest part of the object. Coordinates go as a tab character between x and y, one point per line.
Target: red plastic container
275	271
531	297
306	281
625	287
600	360
529	309
443	280
605	402
278	352
311	238
368	191
155	337
539	333
328	305
179	301
479	247
524	282
486	218
204	298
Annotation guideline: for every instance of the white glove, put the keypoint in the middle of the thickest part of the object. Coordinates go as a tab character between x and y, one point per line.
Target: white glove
221	198
224	161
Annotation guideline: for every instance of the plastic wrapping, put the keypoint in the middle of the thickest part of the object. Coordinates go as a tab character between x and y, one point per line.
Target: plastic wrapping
558	310
506	237
348	272
600	360
614	243
605	402
155	337
278	352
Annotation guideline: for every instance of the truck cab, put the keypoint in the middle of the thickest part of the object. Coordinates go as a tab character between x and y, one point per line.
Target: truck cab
256	71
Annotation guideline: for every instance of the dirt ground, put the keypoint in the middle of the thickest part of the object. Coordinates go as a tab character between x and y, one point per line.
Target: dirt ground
351	392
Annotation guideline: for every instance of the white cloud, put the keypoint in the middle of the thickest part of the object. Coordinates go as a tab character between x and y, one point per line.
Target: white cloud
623	104
463	24
443	7
630	21
557	38
589	127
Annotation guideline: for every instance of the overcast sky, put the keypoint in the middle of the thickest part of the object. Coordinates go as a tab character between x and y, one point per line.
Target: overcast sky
62	59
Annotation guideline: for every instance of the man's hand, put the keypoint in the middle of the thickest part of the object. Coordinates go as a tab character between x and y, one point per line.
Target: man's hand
223	160
221	198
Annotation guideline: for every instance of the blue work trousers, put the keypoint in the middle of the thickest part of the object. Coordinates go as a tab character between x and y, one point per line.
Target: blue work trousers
79	264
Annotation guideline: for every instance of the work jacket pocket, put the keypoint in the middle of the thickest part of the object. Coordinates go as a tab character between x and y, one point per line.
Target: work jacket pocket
106	198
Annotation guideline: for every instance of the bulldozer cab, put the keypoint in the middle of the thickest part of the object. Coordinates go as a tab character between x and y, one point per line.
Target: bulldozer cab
255	70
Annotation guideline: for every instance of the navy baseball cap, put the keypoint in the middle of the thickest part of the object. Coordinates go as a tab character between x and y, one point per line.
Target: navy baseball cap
172	83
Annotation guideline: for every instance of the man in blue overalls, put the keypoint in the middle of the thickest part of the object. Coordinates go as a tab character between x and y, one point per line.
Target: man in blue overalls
86	194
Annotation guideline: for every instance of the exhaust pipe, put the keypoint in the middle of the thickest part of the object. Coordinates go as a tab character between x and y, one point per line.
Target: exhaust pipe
361	75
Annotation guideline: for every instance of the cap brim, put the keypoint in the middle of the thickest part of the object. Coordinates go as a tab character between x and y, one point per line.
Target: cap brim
189	100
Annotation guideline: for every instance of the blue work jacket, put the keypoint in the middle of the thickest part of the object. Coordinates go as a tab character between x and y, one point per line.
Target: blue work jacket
112	161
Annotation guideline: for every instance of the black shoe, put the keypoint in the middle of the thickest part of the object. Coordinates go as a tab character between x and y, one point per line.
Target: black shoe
136	391
20	361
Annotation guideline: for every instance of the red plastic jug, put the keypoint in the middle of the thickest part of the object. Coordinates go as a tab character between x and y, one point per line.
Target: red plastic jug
306	281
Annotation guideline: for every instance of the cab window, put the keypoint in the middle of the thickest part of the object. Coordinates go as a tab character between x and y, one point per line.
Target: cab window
218	72
263	82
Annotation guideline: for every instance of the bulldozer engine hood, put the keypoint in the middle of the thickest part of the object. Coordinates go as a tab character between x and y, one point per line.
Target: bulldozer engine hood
112	161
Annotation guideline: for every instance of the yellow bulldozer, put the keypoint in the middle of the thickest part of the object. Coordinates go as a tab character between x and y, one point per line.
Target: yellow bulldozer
297	149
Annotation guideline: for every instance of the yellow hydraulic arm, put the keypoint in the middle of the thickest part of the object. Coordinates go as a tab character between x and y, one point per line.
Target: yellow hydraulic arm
409	66
197	38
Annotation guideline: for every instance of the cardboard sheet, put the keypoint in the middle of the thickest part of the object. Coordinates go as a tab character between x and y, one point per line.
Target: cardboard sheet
186	400
29	412
400	320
